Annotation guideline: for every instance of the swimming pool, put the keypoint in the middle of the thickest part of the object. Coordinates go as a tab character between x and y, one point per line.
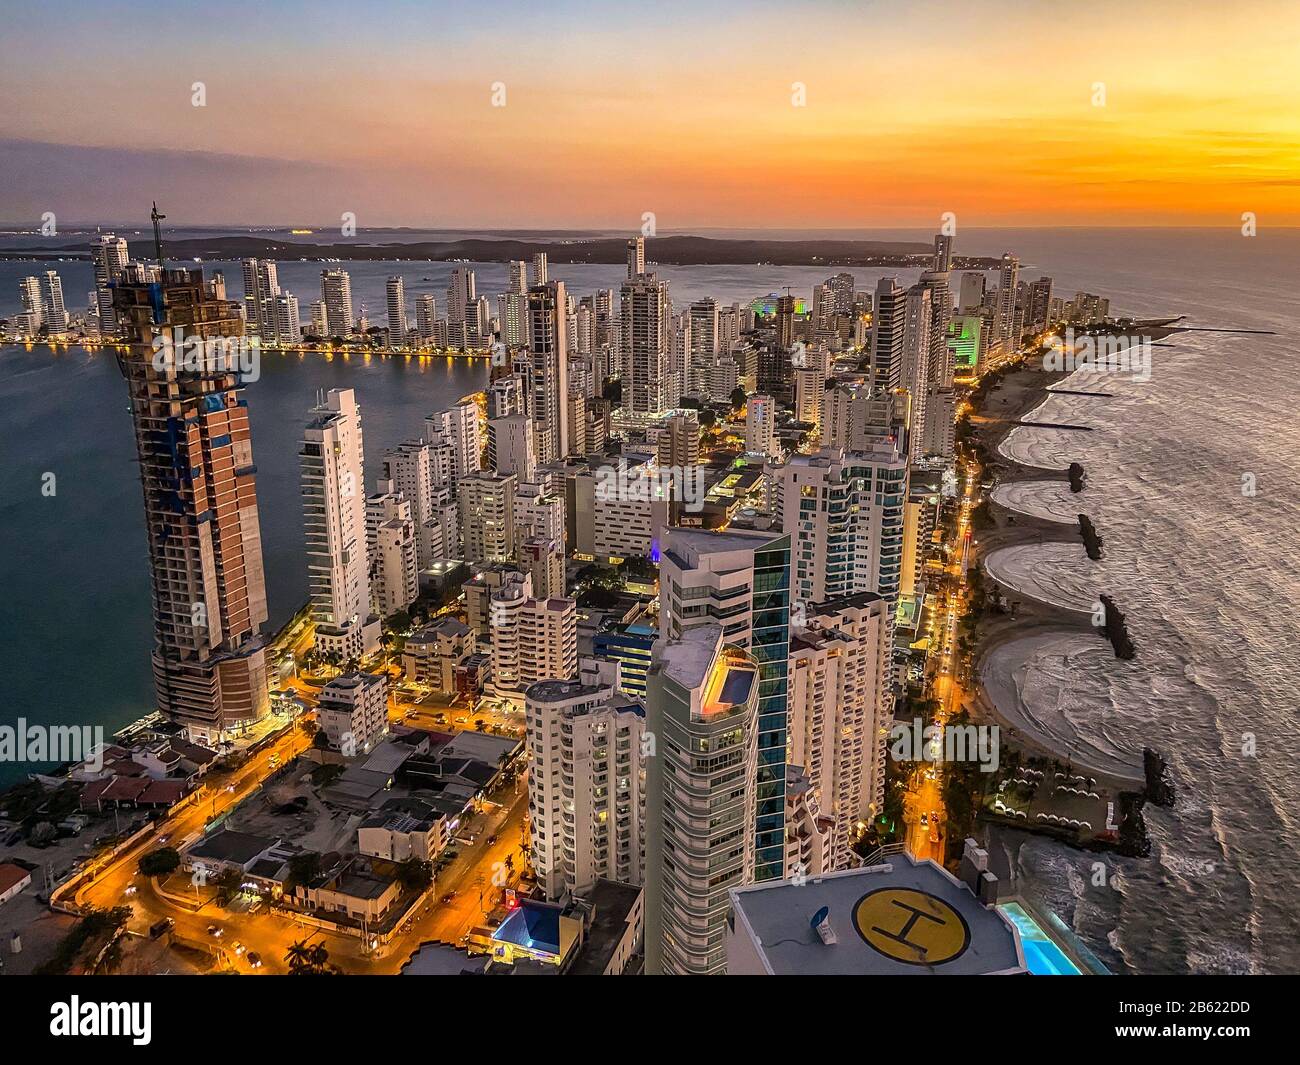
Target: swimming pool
1043	957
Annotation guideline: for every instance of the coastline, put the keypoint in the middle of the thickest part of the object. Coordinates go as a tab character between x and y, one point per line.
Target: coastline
1021	391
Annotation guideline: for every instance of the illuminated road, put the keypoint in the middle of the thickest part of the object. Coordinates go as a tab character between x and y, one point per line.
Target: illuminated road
924	796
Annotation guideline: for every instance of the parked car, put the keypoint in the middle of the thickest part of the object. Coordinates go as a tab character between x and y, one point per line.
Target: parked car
161	928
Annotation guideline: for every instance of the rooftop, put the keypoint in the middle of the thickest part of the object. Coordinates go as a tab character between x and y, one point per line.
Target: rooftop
902	918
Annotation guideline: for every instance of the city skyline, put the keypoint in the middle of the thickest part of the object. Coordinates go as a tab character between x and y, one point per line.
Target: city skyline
1062	121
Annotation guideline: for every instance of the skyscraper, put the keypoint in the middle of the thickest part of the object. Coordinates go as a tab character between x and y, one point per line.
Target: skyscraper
635	258
1005	308
288	325
426	314
644	344
52	310
888	331
741	579
261	287
196	470
701	796
395	292
108	254
586	795
336	294
33	305
549	358
844	515
334	512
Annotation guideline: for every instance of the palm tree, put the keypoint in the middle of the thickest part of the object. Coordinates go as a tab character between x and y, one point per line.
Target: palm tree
311	960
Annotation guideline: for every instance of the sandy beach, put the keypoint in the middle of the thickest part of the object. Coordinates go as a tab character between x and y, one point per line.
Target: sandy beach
1040	716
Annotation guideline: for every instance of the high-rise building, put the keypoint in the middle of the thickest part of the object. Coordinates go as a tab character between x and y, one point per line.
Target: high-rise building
844	516
395	293
1005	308
336	294
108	256
426	314
510	446
287	325
701	796
586	796
964	342
549	356
973	286
487	516
53	312
841	709
33	306
704	340
888	333
458	426
532	639
320	325
1040	304
353	712
261	288
200	498
742	580
334	510
842	285
540	268
644	344
760	426
635	258
391	550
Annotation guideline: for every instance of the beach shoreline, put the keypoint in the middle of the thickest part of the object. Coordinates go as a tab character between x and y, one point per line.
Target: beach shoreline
1022	390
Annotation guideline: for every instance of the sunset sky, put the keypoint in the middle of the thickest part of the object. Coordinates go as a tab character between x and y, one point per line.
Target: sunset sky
685	109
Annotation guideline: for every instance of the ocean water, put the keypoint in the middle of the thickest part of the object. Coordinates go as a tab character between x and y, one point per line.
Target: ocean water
1209	576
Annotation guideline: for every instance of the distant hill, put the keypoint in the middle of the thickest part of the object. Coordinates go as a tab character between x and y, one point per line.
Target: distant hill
675	251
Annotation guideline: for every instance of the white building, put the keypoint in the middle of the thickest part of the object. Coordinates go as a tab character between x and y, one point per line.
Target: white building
760	426
458	426
511	445
840	713
353	712
395	296
844	513
532	639
586	785
336	294
334	511
487	516
700	797
286	321
108	254
391	548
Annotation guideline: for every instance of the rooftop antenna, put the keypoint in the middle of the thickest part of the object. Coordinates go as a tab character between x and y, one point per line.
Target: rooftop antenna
157	233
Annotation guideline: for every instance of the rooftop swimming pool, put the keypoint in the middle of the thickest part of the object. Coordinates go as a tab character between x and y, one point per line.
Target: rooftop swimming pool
1043	956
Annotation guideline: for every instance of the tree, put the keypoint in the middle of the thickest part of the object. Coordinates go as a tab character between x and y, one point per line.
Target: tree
708	419
738	397
160	862
415	875
313	960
